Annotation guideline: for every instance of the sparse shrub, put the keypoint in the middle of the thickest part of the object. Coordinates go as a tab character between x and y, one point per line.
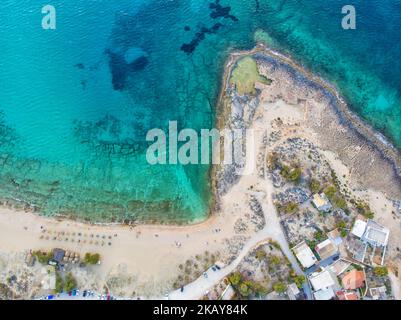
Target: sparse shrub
260	254
279	287
59	283
380	271
43	257
291	174
289	208
274	260
314	186
319	236
91	258
244	290
235	278
341	224
299	280
70	282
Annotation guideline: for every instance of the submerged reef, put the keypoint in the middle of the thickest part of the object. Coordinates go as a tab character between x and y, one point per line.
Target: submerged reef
199	36
109	135
217	11
120	69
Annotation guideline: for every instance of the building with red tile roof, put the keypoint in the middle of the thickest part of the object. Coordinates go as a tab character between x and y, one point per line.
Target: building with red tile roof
353	279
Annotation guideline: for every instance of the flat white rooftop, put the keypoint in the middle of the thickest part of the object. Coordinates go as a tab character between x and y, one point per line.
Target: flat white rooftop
359	228
304	254
324	294
376	233
322	280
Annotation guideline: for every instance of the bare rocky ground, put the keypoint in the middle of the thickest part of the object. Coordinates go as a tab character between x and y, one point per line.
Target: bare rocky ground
264	270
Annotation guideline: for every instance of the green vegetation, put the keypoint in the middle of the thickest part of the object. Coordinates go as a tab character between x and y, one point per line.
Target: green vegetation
314	186
299	280
288	208
319	236
70	282
292	174
43	257
91	258
260	254
341	224
245	75
59	283
235	278
335	197
364	209
380	271
274	260
312	244
279	287
275	244
245	288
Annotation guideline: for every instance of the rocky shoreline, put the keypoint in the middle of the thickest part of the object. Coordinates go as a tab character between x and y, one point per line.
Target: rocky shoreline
358	131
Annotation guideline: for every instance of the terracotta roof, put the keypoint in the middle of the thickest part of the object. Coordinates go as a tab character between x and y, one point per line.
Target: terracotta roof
353	280
342	295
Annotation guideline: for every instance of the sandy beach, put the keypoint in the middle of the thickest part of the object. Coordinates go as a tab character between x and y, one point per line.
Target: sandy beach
148	256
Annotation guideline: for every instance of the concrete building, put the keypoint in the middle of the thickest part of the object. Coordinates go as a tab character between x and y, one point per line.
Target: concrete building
304	254
324	284
326	249
321	202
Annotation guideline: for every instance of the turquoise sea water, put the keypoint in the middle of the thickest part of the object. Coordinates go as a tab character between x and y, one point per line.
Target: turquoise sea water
76	102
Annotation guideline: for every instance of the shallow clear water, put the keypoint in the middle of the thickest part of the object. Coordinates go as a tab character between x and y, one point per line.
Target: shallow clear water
77	101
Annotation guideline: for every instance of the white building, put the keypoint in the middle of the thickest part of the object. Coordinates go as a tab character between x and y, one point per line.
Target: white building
371	234
359	226
304	254
324	284
375	234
